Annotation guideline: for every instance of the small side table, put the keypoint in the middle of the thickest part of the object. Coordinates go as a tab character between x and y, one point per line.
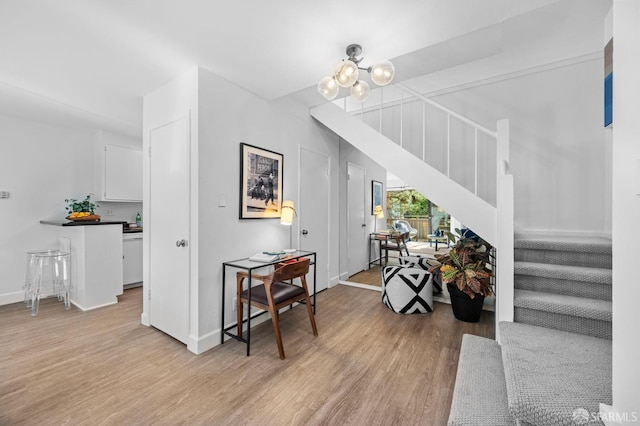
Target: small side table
433	238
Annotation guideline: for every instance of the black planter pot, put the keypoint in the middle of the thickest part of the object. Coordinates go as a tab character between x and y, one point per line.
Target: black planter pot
465	308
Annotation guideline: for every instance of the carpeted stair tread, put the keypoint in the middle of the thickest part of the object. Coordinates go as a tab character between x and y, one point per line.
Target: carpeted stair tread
589	252
563	304
550	373
575	244
480	368
564	272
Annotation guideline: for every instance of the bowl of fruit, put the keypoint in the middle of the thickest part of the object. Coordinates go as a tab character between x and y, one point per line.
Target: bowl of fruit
82	210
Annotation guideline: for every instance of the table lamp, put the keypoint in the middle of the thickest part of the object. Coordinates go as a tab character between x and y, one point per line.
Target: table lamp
379	214
288	212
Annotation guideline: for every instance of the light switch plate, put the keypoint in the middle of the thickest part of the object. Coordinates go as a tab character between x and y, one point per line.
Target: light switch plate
4	194
221	201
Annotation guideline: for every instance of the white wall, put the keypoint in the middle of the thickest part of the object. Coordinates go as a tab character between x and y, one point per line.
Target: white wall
228	116
41	166
626	206
557	143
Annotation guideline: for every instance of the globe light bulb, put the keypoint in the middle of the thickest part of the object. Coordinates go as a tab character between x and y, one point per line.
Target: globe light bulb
360	91
328	88
346	73
382	73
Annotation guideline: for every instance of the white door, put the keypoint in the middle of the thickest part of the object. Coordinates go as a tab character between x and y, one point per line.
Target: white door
168	227
314	211
357	243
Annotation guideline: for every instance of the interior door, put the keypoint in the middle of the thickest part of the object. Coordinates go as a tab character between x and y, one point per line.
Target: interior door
314	211
168	227
357	249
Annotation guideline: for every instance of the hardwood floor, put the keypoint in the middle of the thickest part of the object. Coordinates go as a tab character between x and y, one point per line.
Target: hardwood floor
367	366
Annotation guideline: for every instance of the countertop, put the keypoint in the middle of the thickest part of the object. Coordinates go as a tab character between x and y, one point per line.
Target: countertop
63	222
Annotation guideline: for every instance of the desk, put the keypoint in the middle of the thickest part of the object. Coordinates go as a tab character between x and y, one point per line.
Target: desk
433	238
250	266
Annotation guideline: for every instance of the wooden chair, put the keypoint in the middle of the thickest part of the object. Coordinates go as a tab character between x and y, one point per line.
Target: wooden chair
395	242
277	291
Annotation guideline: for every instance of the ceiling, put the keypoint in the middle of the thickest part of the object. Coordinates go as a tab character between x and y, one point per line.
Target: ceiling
88	63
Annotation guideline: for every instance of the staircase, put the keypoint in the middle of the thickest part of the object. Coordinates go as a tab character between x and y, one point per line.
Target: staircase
564	284
556	357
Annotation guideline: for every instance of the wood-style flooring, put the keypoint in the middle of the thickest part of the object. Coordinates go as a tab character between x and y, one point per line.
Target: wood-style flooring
368	366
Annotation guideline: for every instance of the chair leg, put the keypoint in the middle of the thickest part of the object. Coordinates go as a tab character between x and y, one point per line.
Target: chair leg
311	316
239	304
276	330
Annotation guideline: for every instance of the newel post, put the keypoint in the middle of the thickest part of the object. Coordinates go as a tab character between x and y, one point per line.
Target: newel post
505	230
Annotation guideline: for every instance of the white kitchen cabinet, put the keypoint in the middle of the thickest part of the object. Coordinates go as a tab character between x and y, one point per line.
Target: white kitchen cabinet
121	174
131	258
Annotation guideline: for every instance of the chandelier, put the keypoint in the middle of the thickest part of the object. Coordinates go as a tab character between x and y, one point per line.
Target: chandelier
346	75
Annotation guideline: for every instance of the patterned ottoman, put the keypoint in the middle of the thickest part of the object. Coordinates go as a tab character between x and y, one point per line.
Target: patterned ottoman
407	290
424	263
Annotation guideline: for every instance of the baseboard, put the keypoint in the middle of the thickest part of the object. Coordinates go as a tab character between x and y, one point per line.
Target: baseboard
344	276
79	306
144	319
334	281
199	345
358	285
9	298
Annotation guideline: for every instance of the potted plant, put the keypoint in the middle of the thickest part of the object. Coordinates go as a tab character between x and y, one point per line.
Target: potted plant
81	210
467	273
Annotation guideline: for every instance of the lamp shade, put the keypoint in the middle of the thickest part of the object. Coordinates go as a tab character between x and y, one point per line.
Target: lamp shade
360	91
382	73
346	73
288	210
328	88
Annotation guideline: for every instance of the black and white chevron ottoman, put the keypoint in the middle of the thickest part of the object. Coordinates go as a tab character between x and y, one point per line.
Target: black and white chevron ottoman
424	263
407	290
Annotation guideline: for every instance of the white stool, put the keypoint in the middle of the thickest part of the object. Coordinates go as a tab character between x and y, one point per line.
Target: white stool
46	270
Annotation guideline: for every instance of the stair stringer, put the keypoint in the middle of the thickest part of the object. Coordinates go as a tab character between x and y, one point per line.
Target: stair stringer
459	202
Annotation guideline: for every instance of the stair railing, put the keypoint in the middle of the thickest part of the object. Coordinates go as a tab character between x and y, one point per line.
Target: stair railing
413	96
475	126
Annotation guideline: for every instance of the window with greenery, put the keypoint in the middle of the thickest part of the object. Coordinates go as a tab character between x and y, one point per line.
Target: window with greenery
401	204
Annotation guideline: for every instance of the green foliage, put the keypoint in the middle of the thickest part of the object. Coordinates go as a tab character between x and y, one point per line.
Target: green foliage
407	203
466	265
81	206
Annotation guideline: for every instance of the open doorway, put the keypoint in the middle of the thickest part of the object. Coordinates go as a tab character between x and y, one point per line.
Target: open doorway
407	210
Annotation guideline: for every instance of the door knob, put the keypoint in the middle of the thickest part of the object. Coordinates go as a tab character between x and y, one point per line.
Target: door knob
305	232
181	243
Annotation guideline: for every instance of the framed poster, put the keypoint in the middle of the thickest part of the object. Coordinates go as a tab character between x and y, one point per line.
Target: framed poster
376	195
260	183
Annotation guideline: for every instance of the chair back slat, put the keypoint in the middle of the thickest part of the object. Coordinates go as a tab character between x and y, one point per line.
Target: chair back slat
292	270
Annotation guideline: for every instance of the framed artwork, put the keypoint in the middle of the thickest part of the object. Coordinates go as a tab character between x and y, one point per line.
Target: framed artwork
376	195
260	183
608	83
